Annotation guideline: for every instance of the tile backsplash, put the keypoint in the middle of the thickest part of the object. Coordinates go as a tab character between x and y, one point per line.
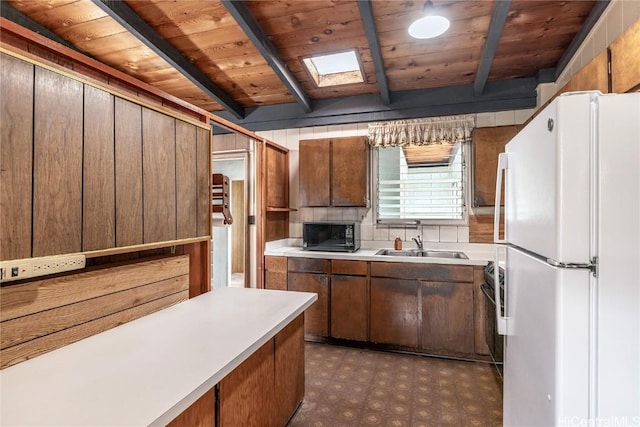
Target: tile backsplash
370	231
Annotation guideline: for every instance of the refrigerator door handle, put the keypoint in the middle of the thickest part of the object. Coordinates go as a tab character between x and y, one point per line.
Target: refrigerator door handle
501	321
502	166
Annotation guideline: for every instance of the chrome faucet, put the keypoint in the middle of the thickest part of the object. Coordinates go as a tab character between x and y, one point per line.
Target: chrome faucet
418	241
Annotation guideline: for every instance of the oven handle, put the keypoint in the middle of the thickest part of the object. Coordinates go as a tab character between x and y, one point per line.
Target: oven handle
486	294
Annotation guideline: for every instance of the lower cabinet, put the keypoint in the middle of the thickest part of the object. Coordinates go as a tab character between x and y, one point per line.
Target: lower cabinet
349	298
246	394
312	275
289	371
394	312
422	307
202	413
316	318
264	391
349	312
447	317
275	272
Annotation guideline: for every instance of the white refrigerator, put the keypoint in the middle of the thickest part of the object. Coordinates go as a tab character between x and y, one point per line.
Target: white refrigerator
571	254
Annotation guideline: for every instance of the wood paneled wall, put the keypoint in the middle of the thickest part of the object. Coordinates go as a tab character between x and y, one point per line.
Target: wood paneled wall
42	315
106	172
625	60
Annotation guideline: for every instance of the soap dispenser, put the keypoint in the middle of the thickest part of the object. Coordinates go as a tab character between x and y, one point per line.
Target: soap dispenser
397	244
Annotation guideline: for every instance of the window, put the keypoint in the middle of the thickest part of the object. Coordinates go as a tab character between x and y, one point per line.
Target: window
334	69
420	183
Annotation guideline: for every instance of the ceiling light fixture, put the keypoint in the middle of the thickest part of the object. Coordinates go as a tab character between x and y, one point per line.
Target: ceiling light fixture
429	25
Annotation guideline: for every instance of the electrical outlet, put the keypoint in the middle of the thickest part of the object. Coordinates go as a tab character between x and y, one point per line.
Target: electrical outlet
34	267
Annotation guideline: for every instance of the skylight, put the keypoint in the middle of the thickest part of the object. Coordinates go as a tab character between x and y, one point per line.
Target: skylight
334	69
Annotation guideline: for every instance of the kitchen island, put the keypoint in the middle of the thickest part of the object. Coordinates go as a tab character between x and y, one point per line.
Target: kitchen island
149	371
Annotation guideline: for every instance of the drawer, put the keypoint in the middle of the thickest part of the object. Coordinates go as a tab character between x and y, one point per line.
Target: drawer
309	265
275	263
351	268
431	272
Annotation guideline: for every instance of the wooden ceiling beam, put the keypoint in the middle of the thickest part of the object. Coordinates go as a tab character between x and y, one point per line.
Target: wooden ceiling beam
12	14
369	23
125	16
243	17
503	95
498	19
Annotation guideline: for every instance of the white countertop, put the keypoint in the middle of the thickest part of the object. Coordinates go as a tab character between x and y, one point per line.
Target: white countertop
147	371
479	254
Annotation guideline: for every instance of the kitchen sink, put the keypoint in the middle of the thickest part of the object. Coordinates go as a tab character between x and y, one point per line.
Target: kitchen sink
423	253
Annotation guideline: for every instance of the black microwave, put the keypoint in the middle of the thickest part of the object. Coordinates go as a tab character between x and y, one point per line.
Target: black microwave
332	236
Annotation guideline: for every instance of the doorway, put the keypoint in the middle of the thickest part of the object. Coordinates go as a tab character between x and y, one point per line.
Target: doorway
232	243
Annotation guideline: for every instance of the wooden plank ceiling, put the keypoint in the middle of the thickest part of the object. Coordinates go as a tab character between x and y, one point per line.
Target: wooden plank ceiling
534	37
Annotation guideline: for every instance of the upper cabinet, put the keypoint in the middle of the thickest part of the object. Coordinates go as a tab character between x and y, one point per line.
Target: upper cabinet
275	192
77	159
487	144
333	172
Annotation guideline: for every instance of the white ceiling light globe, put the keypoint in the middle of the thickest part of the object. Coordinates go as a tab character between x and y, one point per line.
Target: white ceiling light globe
428	27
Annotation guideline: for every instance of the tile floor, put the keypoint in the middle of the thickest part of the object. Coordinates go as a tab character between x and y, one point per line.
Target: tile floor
354	387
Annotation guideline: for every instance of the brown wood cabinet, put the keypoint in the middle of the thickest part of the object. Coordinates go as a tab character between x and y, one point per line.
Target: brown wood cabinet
264	391
394	311
275	192
275	272
16	157
349	300
333	172
246	394
426	306
487	144
74	176
289	371
312	275
447	317
201	414
57	164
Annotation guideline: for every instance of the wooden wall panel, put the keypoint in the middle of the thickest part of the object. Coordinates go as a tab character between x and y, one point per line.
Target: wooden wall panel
159	176
481	228
57	205
42	315
186	180
487	144
98	199
625	60
593	76
203	160
16	157
128	182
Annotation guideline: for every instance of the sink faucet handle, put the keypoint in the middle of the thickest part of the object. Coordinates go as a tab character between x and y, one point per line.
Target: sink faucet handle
418	241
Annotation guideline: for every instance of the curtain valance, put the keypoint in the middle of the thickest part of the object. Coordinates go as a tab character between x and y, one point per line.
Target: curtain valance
436	130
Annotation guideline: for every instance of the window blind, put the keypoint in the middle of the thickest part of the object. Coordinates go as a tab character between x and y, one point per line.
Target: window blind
420	183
